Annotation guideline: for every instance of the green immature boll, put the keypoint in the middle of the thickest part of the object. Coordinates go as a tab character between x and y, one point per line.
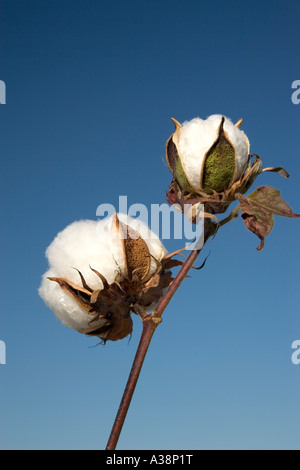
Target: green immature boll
207	155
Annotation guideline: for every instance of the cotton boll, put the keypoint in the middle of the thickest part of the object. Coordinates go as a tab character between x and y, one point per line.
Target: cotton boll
196	139
210	164
92	244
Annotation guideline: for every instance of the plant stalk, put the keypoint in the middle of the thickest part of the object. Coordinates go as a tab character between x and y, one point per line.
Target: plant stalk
150	323
149	327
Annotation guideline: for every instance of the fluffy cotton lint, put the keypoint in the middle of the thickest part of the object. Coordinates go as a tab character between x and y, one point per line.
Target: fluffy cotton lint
81	245
197	137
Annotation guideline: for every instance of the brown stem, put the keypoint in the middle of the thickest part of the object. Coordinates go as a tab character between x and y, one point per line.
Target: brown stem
176	283
149	326
150	322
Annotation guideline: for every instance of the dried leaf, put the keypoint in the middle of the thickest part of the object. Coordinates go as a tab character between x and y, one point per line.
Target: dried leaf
269	198
114	331
258	210
153	289
277	169
202	265
168	263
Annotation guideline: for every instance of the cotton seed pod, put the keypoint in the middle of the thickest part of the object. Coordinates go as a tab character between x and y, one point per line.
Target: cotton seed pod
211	164
207	155
97	277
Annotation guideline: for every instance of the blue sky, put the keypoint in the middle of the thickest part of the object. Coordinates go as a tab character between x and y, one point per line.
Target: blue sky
91	87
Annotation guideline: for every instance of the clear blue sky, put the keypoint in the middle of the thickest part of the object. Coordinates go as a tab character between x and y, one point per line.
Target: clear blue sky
91	87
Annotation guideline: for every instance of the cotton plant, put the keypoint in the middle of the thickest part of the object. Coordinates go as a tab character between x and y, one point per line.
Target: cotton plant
102	272
211	164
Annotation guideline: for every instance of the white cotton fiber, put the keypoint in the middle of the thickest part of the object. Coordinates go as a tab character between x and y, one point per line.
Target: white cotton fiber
81	245
197	137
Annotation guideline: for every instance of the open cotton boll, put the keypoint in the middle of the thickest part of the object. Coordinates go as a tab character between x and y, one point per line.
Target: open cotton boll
84	245
211	165
196	139
80	245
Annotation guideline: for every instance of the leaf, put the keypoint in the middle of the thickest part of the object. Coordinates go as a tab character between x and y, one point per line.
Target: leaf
277	169
169	263
270	199
154	288
258	210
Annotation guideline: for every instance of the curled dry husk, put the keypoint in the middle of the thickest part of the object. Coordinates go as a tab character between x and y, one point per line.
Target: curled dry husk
135	288
225	169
